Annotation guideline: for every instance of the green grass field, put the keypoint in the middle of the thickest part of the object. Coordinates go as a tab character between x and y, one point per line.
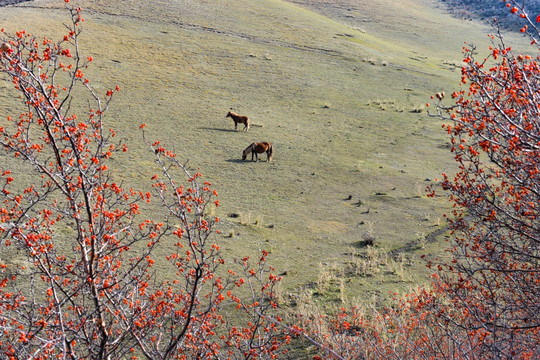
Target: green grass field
339	91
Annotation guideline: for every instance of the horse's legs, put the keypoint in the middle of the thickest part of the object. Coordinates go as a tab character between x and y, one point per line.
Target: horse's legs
235	126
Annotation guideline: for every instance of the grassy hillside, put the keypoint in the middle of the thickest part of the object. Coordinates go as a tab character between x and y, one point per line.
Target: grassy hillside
338	88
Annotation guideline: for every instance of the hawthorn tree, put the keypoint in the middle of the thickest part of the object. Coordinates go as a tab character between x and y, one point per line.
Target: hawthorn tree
494	279
84	284
483	302
87	287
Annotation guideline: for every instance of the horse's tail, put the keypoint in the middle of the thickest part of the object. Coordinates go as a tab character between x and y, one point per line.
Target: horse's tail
270	152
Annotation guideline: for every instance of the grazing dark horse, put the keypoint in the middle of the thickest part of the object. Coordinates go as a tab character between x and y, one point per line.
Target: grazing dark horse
239	119
258	148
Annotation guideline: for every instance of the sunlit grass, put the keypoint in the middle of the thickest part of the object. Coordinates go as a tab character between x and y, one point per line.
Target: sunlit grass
345	115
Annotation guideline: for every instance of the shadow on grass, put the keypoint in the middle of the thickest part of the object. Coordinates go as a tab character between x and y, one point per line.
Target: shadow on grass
238	161
247	161
218	129
364	243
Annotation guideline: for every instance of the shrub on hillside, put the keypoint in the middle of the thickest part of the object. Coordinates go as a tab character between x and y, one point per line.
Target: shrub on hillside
483	302
79	271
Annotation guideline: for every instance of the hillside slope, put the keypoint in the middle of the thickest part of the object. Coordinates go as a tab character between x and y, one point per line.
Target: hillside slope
341	101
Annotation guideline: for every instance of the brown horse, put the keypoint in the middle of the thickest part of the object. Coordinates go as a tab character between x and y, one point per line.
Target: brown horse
239	119
258	148
4	47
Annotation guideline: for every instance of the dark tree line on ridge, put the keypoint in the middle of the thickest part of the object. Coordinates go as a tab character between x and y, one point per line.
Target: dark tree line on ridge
490	9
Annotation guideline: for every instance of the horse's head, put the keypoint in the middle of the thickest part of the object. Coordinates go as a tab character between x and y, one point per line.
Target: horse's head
228	114
247	151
